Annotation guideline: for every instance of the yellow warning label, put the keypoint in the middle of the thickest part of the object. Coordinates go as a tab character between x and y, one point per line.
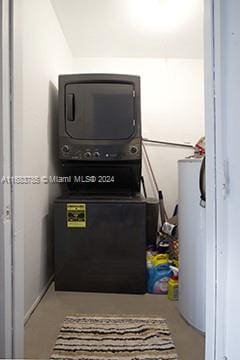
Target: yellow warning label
76	215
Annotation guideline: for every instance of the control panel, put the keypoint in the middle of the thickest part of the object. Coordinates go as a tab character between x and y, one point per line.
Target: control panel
128	151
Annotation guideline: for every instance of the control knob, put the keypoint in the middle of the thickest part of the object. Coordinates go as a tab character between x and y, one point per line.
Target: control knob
133	149
96	154
87	155
65	148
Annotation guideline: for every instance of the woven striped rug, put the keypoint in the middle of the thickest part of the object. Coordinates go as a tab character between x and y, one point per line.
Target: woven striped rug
114	338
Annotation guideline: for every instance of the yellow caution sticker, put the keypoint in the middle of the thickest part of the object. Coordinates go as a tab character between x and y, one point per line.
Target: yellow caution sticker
76	215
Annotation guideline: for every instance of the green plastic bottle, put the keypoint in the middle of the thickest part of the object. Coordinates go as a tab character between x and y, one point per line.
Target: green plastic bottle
173	285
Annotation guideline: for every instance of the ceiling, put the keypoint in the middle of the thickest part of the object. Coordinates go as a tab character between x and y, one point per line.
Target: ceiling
132	28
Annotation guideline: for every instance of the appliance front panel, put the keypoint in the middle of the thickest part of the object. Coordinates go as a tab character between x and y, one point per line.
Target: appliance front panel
100	111
106	254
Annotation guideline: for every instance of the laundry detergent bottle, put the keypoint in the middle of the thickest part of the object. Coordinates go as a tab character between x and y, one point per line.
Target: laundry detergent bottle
173	284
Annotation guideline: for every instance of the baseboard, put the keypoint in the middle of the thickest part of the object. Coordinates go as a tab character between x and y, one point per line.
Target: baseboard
37	301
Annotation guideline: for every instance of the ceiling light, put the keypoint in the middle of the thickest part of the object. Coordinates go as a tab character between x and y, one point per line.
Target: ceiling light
161	15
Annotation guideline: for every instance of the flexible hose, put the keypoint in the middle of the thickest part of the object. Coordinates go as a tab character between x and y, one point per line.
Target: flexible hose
150	167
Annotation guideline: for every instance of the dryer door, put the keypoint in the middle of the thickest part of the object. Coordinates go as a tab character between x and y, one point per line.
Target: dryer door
100	111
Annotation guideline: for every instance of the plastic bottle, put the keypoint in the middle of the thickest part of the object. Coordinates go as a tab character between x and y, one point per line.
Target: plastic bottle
173	284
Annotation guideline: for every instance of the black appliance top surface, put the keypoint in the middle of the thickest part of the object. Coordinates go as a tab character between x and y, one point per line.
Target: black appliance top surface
75	197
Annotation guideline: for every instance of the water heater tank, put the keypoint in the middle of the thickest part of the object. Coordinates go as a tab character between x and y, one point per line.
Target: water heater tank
192	242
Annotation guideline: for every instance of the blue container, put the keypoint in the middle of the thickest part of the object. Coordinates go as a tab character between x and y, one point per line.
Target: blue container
158	277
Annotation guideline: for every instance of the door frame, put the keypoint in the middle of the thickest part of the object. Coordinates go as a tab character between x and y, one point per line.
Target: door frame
11	229
11	221
216	185
16	8
6	288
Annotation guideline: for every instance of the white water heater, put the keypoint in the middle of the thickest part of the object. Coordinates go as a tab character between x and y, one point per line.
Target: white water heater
192	242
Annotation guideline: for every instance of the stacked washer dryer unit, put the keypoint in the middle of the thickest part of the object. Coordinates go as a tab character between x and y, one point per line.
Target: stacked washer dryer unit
100	131
100	222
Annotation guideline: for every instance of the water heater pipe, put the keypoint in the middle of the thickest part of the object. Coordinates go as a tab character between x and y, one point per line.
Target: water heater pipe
168	143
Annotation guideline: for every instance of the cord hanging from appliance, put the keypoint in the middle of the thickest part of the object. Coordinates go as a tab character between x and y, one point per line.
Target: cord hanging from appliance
150	167
163	213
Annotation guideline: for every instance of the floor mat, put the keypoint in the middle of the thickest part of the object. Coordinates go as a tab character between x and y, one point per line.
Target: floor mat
114	338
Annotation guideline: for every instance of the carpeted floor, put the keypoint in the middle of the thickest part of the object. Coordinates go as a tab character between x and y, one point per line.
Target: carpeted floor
43	327
114	338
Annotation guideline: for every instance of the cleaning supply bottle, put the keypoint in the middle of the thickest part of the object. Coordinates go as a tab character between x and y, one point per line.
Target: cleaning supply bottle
173	284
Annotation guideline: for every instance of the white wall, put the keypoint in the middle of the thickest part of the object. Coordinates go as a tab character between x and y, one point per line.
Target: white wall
172	108
45	55
132	28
